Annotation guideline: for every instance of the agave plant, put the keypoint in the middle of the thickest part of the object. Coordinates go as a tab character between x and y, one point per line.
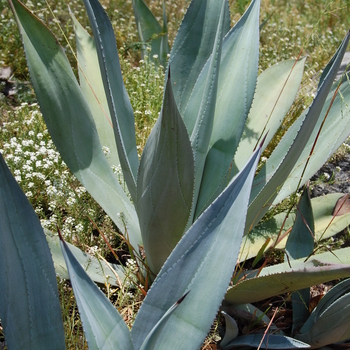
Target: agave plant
190	198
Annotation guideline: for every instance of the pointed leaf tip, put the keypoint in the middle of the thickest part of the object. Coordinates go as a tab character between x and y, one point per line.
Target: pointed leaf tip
182	298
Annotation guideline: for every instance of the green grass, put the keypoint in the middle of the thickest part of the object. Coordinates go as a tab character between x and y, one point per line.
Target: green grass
292	28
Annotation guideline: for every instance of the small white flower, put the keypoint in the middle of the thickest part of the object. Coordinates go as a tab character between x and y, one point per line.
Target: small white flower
106	150
327	176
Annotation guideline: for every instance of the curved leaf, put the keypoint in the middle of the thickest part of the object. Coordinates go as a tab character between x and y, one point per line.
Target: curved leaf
202	262
231	330
29	305
117	97
290	276
98	270
92	87
329	322
267	341
104	328
278	167
335	130
165	184
70	123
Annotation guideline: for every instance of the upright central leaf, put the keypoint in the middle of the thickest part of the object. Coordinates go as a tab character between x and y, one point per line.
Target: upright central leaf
193	46
165	184
236	87
201	134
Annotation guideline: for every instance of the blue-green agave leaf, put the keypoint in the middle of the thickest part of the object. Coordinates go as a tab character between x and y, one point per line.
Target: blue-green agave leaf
117	97
152	337
165	184
29	305
151	32
275	92
332	295
201	134
196	265
104	328
300	244
69	121
231	330
267	341
290	276
97	269
236	86
278	167
188	56
330	321
92	87
335	130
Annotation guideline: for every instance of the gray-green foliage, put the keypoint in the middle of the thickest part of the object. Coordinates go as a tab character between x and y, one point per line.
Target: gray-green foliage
189	198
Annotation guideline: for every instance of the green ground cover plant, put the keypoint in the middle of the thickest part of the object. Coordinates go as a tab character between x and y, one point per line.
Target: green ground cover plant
156	254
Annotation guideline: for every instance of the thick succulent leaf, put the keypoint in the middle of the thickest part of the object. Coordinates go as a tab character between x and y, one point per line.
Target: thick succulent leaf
117	97
92	87
150	31
290	276
97	269
231	330
334	131
267	341
300	244
326	302
165	184
329	322
152	337
104	328
275	92
188	56
278	167
70	123
326	225
203	127
236	86
202	263
29	305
